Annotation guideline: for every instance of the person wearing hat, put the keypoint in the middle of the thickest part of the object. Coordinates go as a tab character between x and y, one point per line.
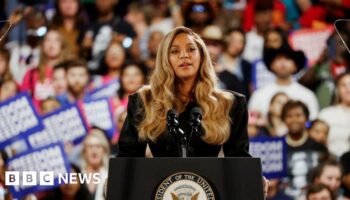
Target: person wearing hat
284	62
214	40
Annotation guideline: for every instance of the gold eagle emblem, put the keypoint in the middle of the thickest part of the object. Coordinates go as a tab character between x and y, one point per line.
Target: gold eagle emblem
175	197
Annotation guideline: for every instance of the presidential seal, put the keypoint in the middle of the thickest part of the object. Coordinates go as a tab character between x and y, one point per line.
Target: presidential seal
184	186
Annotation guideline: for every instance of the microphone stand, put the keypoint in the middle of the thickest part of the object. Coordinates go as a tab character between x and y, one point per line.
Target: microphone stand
182	138
183	143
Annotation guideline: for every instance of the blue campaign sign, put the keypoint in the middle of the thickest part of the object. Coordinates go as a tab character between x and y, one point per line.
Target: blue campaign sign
64	124
273	155
18	119
107	90
45	164
261	76
99	113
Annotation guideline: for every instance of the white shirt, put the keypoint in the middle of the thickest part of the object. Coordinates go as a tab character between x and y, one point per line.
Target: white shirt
338	119
260	100
253	49
99	195
100	188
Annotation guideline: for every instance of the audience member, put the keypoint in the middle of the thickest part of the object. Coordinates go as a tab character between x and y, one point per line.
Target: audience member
233	63
319	192
303	152
284	63
338	117
77	80
328	173
70	22
318	131
38	81
95	160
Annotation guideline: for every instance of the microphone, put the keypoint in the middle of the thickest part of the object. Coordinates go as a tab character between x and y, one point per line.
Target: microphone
172	122
196	119
174	129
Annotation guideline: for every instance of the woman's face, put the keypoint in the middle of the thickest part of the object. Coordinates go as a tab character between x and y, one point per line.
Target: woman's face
59	81
132	79
69	8
331	176
184	57
52	44
236	44
295	120
8	90
319	132
3	65
344	90
94	152
49	106
277	104
273	40
115	56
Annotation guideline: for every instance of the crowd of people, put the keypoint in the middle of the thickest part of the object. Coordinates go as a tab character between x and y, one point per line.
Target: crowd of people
65	49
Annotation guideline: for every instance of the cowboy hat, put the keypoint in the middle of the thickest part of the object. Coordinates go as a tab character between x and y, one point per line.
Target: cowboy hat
297	56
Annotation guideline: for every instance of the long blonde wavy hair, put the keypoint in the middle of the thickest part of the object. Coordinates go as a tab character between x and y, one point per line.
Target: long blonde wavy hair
99	135
162	95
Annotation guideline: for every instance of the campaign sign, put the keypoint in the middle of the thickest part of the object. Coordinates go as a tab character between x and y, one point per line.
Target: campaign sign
18	118
107	90
36	170
18	146
99	113
64	124
273	155
261	76
311	41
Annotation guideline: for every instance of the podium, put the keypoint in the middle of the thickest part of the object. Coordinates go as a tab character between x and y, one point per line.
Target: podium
185	178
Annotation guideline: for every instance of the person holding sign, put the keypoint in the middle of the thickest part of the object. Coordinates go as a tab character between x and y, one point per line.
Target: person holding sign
184	79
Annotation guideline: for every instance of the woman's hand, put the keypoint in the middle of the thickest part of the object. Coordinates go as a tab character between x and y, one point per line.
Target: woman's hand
266	184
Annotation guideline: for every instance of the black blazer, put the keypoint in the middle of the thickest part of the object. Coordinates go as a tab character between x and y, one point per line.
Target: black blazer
236	146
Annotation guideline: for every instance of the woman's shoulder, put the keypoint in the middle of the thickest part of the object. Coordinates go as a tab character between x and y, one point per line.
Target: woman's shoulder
235	97
139	99
329	111
143	92
235	101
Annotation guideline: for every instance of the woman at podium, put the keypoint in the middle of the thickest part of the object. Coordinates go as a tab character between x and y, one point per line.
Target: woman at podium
183	82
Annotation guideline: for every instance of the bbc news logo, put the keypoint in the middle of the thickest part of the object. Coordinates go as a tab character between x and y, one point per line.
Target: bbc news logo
32	178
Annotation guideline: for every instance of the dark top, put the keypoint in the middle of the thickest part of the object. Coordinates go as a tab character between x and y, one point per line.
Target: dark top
301	160
236	146
309	145
280	196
